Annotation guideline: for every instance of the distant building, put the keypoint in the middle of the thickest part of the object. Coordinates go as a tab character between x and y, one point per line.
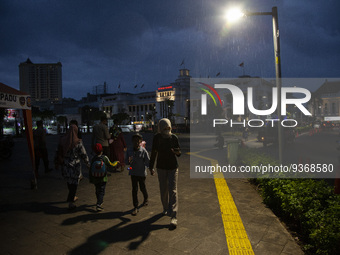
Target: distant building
325	100
173	100
168	101
42	81
140	107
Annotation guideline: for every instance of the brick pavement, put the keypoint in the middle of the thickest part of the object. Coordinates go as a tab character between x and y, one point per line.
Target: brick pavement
38	221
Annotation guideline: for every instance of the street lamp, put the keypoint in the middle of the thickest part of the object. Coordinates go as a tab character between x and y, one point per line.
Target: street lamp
235	14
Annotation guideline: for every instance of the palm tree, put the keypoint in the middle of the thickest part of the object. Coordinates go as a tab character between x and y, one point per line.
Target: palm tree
120	117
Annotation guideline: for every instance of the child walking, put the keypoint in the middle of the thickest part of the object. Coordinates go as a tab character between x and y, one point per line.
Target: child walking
139	161
98	173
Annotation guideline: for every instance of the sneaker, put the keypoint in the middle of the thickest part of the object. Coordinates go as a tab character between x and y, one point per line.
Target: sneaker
135	211
165	212
173	222
75	198
99	208
145	203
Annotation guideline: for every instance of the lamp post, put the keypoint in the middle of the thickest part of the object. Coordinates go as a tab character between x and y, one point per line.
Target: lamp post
236	14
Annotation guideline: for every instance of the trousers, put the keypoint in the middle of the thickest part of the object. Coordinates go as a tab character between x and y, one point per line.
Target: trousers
72	189
135	180
100	192
168	189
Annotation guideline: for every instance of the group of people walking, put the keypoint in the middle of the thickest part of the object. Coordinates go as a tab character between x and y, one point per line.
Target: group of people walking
165	151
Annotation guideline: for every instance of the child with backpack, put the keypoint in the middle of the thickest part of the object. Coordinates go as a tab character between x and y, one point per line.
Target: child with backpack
98	173
139	161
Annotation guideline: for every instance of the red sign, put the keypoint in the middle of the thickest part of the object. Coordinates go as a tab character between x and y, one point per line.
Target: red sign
164	88
11	113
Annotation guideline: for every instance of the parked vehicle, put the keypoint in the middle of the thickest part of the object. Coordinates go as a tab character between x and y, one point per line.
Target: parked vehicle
52	130
317	124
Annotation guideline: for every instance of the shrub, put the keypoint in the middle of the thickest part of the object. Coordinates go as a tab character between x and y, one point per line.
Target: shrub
307	204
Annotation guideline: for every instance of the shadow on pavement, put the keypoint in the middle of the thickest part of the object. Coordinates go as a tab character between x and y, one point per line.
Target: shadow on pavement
119	233
96	216
48	208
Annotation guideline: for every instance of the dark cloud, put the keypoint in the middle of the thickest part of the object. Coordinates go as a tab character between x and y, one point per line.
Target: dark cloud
136	42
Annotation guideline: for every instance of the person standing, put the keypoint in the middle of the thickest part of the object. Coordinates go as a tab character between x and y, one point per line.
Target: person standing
98	174
117	147
101	135
245	134
166	148
73	152
40	148
139	161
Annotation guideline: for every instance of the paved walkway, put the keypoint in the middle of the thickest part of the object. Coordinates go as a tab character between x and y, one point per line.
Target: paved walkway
38	222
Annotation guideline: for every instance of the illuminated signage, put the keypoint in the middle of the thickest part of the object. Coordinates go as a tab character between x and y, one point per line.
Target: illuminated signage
164	88
15	101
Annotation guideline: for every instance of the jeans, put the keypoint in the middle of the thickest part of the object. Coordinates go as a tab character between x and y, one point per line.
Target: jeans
100	192
134	181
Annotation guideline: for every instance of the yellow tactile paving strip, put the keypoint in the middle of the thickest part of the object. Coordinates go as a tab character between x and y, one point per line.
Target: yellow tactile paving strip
237	238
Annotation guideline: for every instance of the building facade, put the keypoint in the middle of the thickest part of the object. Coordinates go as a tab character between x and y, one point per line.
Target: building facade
140	107
325	101
169	101
42	81
173	101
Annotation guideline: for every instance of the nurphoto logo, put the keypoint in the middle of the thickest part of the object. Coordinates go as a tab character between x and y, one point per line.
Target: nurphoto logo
238	105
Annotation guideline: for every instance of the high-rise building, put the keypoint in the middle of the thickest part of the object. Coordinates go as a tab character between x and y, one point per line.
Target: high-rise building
42	81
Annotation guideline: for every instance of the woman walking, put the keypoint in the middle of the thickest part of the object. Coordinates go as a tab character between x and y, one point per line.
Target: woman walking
117	147
165	147
73	152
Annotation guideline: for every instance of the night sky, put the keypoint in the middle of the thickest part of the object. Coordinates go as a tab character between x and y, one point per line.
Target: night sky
145	42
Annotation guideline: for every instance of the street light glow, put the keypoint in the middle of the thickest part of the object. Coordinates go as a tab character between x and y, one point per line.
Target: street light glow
234	14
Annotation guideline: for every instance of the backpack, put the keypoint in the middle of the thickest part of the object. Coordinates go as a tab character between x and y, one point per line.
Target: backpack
98	168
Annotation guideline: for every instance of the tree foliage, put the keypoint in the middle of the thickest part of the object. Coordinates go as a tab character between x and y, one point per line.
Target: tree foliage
120	117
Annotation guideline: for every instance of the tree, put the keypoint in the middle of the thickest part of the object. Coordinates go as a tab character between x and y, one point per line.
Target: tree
46	114
154	113
62	120
170	103
90	114
148	118
120	117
